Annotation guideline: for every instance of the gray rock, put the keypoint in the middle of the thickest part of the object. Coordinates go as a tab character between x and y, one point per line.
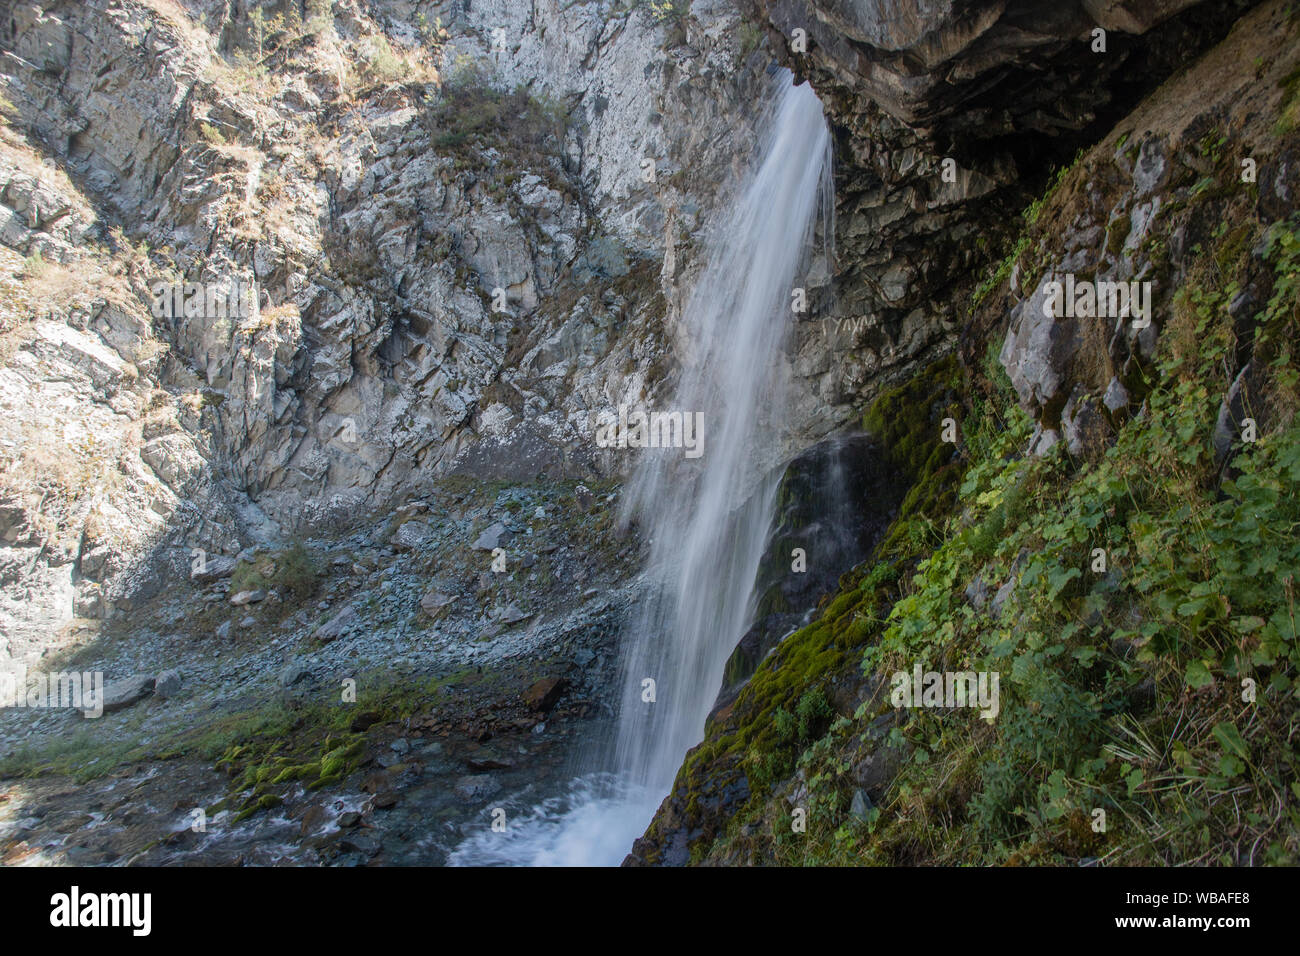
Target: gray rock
1084	428
1043	441
121	694
293	673
361	843
168	683
1232	409
492	537
247	597
513	615
215	567
412	536
1000	599
435	603
860	806
1116	397
337	626
1038	348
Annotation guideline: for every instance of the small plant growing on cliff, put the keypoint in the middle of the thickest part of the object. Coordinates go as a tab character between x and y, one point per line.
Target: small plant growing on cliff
320	17
35	266
812	712
293	574
379	62
211	135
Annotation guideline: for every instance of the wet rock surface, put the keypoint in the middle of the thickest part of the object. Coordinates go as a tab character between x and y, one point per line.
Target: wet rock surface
834	503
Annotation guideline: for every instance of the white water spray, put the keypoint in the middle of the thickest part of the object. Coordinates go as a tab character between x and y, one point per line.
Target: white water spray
708	521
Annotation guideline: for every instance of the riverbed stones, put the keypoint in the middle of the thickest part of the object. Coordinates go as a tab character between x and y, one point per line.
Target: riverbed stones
337	626
476	787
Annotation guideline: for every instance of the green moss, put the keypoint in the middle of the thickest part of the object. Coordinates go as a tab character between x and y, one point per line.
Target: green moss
1119	691
908	420
1119	230
1289	115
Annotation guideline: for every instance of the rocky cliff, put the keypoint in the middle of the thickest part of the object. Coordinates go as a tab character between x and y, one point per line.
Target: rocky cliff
949	117
457	251
288	288
1105	523
307	310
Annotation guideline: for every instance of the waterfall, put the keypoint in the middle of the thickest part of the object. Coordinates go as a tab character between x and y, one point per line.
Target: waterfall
707	520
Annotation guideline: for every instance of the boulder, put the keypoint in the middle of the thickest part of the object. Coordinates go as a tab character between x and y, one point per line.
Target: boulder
492	537
544	694
293	674
168	683
435	603
337	626
860	806
213	569
513	615
121	694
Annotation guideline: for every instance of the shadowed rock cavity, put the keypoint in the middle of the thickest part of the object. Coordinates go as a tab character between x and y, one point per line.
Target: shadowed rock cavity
834	503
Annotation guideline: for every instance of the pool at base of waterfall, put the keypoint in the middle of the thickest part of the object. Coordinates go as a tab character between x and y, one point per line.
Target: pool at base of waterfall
593	823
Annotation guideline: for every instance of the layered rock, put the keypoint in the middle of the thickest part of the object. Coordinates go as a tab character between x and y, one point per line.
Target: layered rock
949	116
371	175
1184	192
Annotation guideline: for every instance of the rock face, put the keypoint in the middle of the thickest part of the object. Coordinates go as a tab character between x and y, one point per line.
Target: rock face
443	276
1181	193
948	114
834	502
1120	228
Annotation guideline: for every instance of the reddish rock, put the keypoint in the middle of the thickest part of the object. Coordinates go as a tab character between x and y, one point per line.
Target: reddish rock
543	695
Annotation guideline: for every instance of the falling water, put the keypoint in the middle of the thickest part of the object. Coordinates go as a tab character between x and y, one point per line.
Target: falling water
707	525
